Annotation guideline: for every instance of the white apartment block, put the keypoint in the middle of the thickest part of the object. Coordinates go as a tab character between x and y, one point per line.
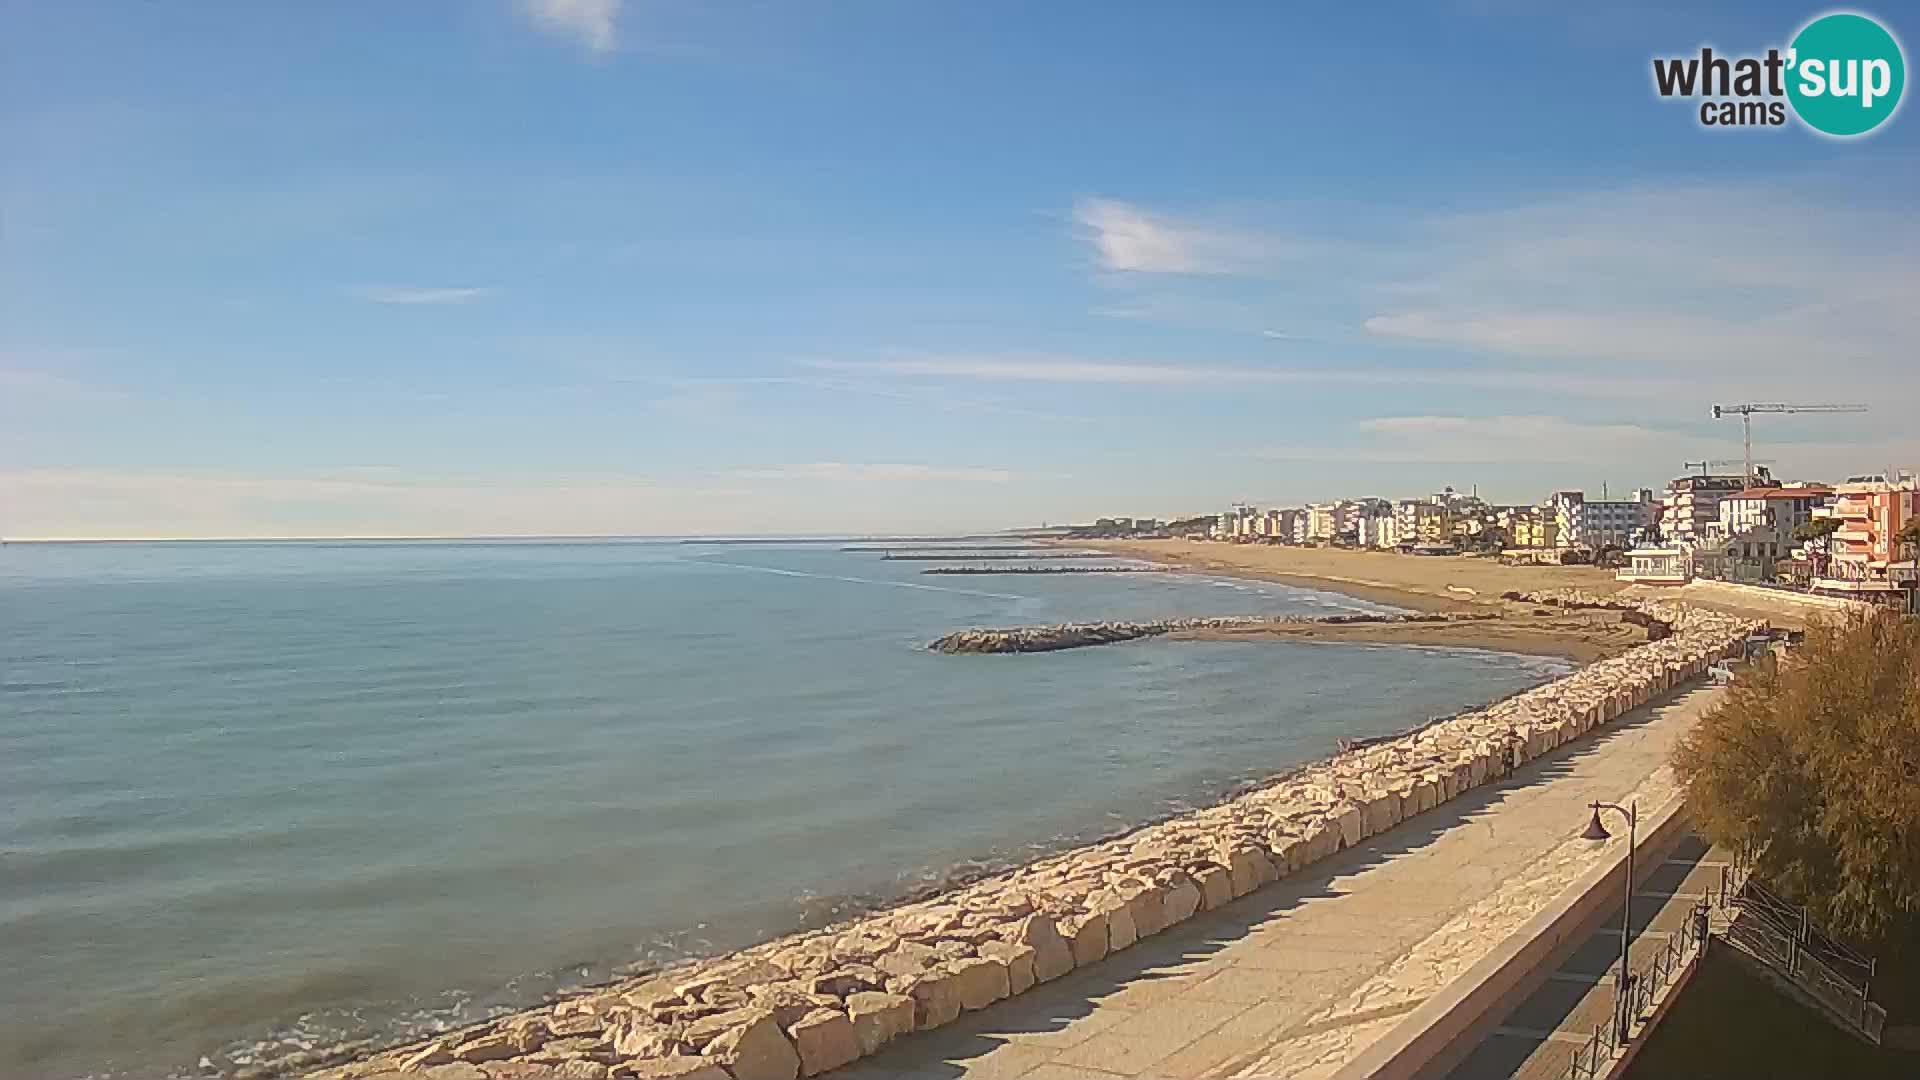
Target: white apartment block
1597	523
1782	508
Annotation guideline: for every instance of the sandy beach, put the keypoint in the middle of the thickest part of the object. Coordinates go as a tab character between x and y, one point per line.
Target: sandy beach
1425	583
1584	636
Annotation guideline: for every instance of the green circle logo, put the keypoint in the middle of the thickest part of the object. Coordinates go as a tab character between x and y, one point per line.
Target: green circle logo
1845	74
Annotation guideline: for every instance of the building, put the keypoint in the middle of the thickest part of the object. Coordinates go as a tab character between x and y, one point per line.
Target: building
1376	530
1755	555
1692	503
1332	521
1867	561
1596	523
1420	521
1784	508
1531	527
1660	564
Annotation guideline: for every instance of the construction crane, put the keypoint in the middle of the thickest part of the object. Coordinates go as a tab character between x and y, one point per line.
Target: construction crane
1720	463
1745	412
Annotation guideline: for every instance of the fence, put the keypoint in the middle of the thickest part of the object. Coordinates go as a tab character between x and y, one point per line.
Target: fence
1633	1002
1778	933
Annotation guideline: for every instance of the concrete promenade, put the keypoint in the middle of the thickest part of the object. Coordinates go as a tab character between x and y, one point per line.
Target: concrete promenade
1295	979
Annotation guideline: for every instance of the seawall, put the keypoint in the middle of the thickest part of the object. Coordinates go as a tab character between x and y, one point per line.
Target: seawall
807	1003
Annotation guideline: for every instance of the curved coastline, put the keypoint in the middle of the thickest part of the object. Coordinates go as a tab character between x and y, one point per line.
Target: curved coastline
811	1001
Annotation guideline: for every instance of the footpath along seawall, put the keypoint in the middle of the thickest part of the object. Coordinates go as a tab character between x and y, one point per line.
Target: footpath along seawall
804	1004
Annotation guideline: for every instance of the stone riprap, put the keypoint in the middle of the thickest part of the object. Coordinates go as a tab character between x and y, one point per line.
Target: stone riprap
1028	639
807	1003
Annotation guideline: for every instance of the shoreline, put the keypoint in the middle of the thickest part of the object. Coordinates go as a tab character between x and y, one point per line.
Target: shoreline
814	1000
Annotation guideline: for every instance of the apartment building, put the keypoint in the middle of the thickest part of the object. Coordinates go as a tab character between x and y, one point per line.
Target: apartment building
1376	530
1596	523
1783	508
1692	505
1867	561
1420	521
1530	527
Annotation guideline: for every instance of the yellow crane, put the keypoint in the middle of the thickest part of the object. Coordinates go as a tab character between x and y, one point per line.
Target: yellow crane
1745	413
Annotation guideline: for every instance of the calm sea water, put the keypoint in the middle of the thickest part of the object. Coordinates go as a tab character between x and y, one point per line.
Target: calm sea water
255	796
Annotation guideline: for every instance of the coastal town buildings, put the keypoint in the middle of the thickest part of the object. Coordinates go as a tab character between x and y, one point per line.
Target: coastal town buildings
1712	526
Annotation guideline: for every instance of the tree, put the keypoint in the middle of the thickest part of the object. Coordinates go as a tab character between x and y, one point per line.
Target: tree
1814	763
1816	530
1909	537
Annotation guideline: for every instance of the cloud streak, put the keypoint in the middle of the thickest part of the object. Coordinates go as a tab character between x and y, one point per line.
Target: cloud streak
882	472
594	24
1129	239
416	295
1085	371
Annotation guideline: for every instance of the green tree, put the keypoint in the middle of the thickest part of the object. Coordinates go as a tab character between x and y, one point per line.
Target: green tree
1909	537
1815	530
1814	763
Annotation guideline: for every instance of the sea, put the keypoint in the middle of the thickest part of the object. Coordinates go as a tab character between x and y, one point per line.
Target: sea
264	798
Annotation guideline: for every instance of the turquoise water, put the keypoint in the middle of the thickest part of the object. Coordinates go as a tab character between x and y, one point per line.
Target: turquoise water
255	796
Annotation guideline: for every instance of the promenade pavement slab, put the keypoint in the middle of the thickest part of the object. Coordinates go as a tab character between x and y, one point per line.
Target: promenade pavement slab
1295	979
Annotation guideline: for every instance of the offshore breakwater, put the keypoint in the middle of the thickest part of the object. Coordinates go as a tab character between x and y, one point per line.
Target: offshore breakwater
810	1002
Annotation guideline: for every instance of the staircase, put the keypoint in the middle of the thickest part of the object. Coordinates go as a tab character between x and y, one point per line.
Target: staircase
1786	948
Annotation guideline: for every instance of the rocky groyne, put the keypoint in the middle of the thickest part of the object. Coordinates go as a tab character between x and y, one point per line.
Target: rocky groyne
1052	638
807	1003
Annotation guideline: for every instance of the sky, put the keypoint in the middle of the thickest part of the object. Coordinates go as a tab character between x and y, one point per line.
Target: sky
502	267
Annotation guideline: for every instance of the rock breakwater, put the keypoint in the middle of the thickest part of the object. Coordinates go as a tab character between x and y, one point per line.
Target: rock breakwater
808	1003
1028	639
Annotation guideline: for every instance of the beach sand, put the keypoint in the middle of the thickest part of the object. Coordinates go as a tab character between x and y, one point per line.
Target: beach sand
1583	636
1422	582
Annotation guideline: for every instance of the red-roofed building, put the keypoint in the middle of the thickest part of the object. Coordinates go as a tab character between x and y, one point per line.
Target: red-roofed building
1783	508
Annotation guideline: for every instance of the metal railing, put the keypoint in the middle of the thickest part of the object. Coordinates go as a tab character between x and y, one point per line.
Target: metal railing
1780	935
1636	1000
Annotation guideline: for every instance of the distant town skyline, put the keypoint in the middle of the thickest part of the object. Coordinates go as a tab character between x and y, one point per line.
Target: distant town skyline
521	267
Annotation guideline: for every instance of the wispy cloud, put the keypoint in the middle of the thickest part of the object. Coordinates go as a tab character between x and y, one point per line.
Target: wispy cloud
1639	286
416	295
593	23
1076	370
1677	278
1632	449
886	472
1130	239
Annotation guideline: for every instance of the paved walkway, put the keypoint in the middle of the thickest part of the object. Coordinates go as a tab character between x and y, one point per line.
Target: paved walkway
1295	979
1537	1040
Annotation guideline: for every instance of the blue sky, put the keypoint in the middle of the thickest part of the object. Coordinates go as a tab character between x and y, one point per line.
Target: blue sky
592	266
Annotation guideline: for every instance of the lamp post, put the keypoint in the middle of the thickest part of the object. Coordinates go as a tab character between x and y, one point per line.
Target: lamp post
1623	986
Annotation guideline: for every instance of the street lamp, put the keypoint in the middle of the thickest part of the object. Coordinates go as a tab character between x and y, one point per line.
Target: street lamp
1598	831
